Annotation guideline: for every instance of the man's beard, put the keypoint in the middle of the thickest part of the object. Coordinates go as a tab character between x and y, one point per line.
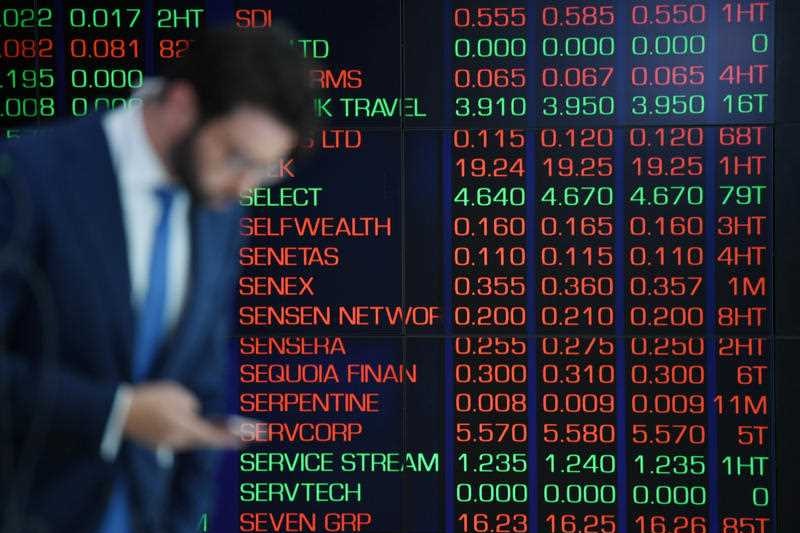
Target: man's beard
182	162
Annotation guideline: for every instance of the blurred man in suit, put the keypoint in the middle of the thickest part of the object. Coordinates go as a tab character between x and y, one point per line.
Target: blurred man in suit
118	246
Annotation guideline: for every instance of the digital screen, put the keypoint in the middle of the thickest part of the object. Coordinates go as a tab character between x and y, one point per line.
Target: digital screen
522	279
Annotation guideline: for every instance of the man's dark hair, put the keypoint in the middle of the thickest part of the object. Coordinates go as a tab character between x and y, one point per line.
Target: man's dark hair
228	67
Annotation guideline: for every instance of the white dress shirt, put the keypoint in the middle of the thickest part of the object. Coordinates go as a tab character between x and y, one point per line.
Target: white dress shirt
139	172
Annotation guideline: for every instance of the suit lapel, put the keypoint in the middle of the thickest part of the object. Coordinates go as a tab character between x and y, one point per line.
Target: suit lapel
210	230
95	200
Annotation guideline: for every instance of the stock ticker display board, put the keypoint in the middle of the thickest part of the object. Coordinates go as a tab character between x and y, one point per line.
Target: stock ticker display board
535	273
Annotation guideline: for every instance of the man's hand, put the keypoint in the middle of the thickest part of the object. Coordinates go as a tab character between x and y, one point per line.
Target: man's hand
166	414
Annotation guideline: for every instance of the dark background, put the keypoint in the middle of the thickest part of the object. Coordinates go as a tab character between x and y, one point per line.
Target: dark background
787	263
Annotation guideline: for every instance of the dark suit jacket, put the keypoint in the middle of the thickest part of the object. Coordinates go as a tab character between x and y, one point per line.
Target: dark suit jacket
66	330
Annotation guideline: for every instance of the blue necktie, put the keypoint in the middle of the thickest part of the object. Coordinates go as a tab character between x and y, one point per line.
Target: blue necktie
150	325
149	333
